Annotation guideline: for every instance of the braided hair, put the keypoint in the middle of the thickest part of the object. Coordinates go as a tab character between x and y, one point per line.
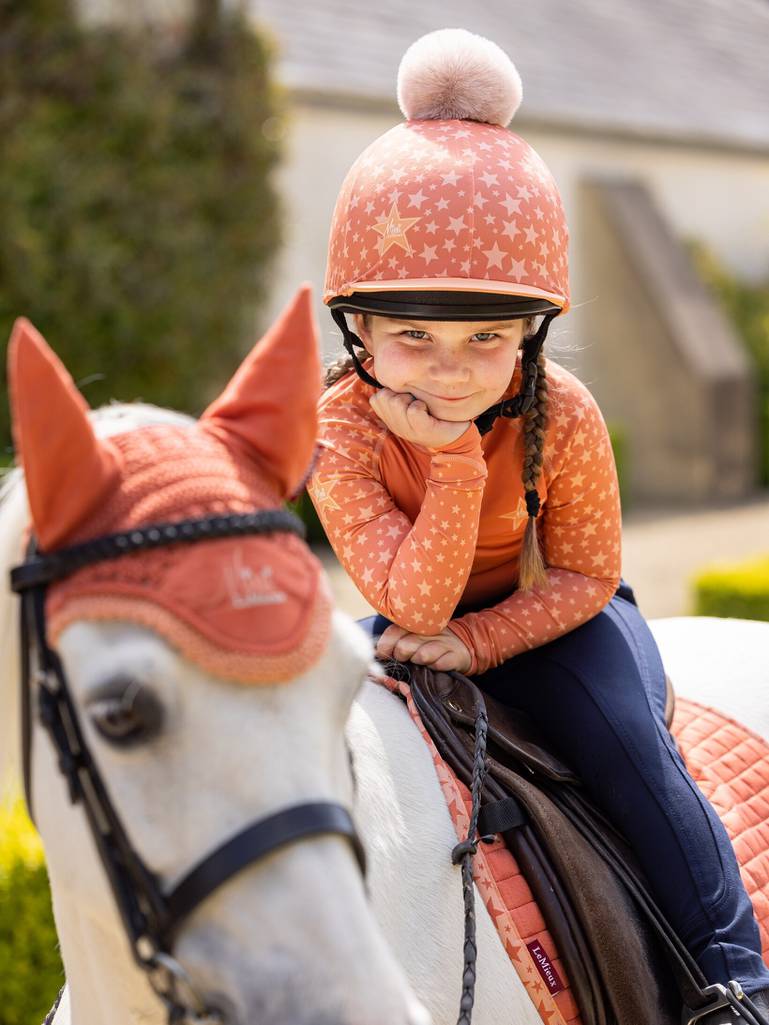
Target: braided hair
532	565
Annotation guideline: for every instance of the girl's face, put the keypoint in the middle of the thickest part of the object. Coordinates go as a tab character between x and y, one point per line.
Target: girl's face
458	369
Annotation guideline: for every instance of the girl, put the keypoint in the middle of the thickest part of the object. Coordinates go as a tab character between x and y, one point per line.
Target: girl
467	482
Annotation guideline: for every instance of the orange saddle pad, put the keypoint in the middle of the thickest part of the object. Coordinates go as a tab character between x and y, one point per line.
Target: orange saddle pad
729	763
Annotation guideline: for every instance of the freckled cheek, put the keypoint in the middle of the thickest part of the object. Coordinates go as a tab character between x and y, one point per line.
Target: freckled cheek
396	367
495	374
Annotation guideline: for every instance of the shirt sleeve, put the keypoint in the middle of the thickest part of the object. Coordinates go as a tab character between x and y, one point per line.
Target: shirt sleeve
580	529
412	573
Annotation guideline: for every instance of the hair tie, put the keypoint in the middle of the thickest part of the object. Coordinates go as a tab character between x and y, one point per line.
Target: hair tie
532	502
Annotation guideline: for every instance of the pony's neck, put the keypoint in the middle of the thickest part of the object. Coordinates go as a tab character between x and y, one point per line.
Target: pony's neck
103	982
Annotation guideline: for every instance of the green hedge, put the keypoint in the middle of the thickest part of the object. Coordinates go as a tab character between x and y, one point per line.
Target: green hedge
138	208
31	971
747	306
304	508
619	442
739	591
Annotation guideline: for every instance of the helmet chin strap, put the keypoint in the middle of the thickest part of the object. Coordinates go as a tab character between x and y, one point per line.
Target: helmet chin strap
350	340
511	408
524	400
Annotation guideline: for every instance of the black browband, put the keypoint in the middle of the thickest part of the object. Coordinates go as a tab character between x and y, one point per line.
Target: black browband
150	916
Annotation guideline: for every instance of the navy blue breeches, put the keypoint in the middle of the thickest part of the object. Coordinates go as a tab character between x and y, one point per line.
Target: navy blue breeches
598	695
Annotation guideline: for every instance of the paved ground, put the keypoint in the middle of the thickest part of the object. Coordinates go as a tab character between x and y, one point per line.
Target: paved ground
661	549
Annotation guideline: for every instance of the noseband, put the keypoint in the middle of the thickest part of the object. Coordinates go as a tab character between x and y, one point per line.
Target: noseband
151	917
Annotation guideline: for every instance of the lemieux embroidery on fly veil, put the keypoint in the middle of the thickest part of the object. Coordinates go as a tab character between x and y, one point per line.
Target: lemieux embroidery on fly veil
251	587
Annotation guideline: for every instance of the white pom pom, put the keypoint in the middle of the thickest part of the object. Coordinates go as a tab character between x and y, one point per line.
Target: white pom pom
453	73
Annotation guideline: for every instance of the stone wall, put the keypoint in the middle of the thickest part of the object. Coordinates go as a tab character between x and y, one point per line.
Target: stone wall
662	359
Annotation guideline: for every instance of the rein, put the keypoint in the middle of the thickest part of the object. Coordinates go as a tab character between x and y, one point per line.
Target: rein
150	915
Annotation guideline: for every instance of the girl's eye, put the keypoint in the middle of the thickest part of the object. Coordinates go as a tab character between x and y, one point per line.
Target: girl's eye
481	336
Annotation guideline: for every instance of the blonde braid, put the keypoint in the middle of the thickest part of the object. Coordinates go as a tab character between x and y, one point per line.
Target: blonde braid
343	365
532	567
337	369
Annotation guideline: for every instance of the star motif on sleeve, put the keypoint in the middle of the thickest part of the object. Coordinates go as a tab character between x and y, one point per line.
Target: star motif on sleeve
323	494
393	231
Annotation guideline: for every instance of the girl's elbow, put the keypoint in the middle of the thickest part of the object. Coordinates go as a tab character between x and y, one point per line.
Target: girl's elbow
607	589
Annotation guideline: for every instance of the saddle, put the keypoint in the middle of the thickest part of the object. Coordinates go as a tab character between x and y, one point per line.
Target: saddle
624	962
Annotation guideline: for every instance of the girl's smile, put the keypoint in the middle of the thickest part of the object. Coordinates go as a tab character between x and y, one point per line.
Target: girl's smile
451	398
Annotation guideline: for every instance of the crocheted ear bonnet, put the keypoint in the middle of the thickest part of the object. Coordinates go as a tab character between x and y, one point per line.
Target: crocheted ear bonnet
449	215
255	609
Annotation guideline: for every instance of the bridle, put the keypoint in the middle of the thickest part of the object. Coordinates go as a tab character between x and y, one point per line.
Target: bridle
151	917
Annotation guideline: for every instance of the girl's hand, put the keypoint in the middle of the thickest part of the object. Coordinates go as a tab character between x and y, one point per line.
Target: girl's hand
410	419
444	651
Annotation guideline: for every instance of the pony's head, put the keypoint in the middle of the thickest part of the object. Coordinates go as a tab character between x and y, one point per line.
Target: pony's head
245	608
211	681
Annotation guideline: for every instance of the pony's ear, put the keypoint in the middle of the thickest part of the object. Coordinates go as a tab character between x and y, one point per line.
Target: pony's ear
270	405
68	471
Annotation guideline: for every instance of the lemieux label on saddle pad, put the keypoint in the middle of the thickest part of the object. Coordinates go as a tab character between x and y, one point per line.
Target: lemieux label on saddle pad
545	966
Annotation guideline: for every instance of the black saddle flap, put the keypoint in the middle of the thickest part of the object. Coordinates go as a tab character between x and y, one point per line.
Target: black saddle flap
511	732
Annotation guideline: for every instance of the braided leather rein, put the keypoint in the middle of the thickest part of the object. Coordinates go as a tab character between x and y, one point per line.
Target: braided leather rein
464	852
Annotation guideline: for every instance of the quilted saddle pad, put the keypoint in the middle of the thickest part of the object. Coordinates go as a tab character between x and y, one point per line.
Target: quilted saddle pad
728	762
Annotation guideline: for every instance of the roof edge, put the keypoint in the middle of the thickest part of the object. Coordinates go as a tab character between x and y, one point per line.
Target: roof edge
604	131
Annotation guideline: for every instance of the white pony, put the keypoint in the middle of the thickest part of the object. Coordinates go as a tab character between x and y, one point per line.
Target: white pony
291	939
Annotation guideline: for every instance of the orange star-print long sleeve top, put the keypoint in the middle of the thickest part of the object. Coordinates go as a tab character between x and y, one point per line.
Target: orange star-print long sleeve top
432	537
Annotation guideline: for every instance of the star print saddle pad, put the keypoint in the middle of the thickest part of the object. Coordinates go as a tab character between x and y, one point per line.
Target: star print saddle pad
731	766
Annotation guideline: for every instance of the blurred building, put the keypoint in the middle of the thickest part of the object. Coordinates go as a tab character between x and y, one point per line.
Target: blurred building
654	121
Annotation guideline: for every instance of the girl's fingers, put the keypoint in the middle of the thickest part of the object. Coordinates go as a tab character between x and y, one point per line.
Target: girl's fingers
427	653
386	642
449	660
418	411
406	646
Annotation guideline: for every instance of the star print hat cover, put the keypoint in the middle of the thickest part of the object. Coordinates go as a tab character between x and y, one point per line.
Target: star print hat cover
450	215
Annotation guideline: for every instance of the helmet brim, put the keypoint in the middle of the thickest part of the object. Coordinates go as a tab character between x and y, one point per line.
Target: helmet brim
448	305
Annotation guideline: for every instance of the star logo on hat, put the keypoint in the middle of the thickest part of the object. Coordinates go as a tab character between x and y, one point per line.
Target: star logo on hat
393	231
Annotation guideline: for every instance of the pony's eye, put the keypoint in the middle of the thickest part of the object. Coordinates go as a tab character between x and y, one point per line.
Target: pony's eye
126	712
